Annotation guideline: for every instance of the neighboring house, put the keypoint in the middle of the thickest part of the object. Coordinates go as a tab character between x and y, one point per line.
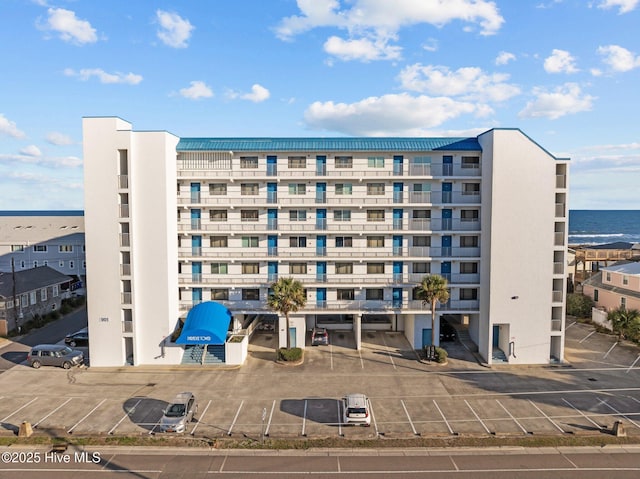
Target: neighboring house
615	286
590	259
173	222
31	239
37	291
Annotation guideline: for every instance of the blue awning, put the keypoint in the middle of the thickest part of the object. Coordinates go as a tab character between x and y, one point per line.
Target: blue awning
206	323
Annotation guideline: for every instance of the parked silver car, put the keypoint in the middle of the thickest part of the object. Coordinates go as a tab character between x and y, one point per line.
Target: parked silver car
54	355
179	413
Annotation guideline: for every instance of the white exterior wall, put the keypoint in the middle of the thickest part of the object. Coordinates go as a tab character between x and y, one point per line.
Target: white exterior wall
153	247
518	224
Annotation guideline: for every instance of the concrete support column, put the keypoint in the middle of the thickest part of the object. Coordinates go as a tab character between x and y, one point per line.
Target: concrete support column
357	331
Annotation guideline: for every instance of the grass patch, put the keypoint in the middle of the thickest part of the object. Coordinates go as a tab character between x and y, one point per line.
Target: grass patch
290	355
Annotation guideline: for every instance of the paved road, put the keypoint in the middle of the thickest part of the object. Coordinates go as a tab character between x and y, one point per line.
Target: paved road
570	463
16	351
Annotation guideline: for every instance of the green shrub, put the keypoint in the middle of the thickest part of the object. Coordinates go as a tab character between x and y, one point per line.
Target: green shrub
441	355
579	305
293	354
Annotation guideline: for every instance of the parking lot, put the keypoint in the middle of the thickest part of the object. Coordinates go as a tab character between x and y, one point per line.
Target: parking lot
408	397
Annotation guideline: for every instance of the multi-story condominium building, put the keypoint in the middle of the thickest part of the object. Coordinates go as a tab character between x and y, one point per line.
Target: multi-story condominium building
30	239
172	222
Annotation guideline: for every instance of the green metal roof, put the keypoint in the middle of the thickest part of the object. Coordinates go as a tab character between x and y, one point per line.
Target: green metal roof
328	144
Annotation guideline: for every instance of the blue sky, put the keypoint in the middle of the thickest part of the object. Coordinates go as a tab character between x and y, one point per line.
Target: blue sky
566	72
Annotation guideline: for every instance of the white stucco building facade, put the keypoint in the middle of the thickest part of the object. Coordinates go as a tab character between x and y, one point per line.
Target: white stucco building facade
173	222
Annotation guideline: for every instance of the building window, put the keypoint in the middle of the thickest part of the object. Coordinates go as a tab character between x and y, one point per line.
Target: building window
345	294
220	294
623	303
71	264
375	215
248	162
298	215
342	215
40	248
218	189
297	189
375	189
595	295
45	263
468	241
344	162
608	276
218	215
625	279
471	188
469	215
23	264
43	294
84	265
248	189
344	188
376	162
297	162
298	268
18	248
344	241
468	268
375	268
251	294
422	241
421	214
250	268
219	241
470	161
375	241
219	268
32	298
55	292
421	268
35	264
467	294
421	188
375	294
344	268
65	248
249	215
250	241
298	242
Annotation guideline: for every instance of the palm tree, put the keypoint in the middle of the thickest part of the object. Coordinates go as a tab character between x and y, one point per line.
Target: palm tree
433	289
625	322
287	296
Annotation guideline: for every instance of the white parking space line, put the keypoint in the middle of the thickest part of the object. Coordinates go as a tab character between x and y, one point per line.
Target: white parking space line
304	419
582	414
331	355
409	418
69	431
570	325
443	417
125	416
200	418
373	418
477	417
266	431
17	410
634	363
587	337
543	413
36	424
620	414
610	349
235	418
361	361
388	353
339	418
511	416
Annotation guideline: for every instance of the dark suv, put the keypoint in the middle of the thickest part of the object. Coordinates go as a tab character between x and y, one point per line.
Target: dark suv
54	355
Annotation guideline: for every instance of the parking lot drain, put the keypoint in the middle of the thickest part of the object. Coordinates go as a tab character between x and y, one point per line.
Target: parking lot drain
592	379
150	385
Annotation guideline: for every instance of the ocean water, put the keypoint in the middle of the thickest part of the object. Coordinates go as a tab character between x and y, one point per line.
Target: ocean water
604	226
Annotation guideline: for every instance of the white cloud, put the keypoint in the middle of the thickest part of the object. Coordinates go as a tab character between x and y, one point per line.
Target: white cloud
470	83
104	77
388	114
363	49
197	90
31	150
69	27
174	31
625	6
59	139
560	61
258	94
618	58
431	45
564	100
9	128
504	57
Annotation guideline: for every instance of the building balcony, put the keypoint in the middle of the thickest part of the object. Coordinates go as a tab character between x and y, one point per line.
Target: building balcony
558	268
127	326
557	296
125	269
123	182
125	298
125	240
124	211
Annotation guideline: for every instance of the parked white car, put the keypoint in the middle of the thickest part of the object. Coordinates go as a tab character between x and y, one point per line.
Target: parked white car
356	410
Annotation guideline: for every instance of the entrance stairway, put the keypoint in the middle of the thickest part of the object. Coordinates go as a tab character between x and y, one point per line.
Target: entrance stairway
498	356
215	354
